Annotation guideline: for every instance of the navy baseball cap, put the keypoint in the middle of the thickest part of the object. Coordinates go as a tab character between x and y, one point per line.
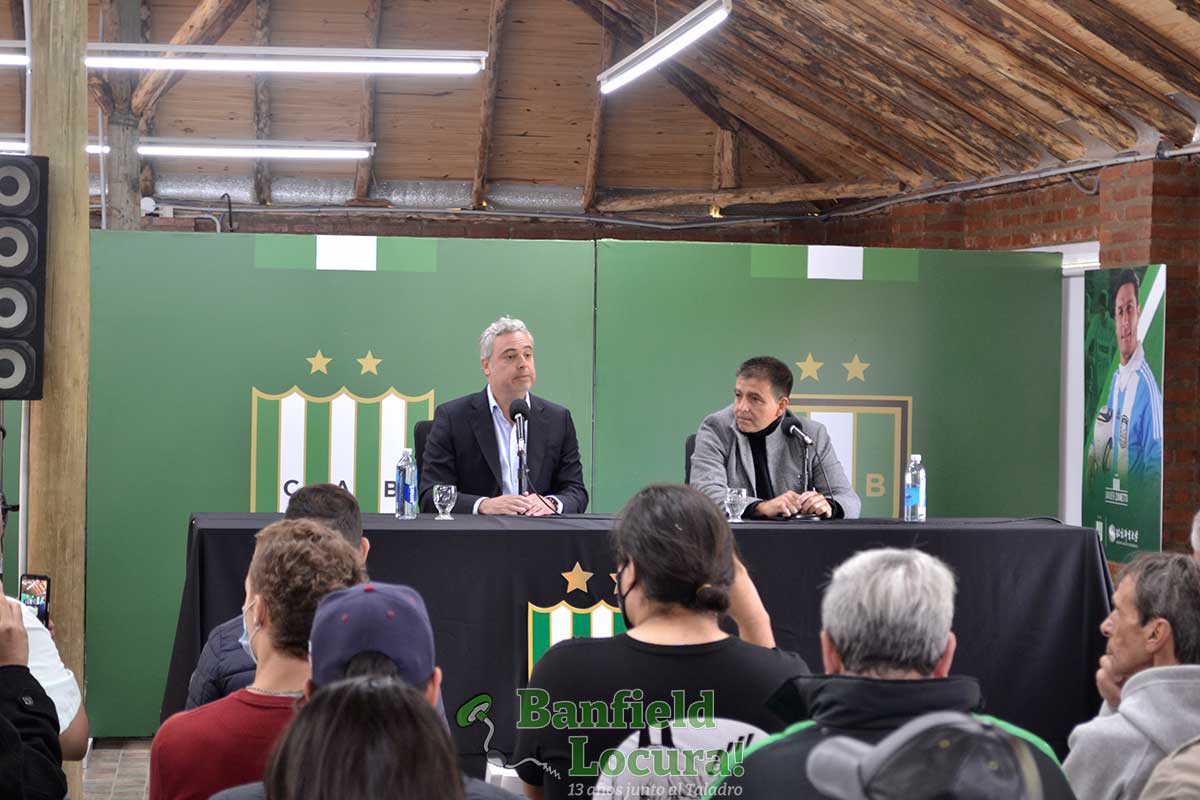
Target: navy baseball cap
381	617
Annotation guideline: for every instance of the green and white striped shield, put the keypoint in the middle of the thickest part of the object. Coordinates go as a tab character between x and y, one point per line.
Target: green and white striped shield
871	435
549	626
355	442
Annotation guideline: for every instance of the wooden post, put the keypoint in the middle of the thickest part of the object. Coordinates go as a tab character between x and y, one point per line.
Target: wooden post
366	124
607	48
262	104
146	124
17	12
58	422
726	172
122	23
488	105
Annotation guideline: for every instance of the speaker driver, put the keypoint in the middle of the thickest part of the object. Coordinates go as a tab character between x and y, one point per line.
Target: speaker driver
18	247
16	365
18	185
16	307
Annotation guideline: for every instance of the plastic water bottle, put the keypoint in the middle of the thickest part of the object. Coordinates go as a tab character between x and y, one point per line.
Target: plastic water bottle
406	485
914	490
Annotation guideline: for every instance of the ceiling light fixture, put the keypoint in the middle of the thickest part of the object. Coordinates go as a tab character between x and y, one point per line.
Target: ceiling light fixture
667	44
15	146
256	148
306	60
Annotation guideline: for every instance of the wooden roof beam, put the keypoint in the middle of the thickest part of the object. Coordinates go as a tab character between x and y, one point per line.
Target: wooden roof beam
608	45
364	169
205	25
929	69
726	169
1104	20
1069	71
122	23
764	196
262	104
488	105
1189	7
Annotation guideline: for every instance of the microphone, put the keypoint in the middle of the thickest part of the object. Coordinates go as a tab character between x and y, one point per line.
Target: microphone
792	428
519	412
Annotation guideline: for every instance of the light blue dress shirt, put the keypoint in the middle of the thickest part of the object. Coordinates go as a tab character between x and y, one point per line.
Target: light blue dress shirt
510	462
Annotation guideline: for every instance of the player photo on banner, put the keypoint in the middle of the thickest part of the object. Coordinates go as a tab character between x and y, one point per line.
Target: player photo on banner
1125	317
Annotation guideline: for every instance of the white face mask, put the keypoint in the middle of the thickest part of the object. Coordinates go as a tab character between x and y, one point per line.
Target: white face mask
246	638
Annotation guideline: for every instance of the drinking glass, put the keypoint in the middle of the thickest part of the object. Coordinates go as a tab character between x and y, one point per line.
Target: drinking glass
444	496
736	501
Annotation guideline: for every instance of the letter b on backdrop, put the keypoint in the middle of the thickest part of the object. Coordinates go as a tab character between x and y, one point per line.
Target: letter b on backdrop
23	243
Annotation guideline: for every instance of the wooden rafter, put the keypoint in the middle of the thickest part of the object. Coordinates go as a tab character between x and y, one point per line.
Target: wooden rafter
1062	75
726	167
1189	7
366	123
205	25
765	196
608	45
262	104
927	68
488	105
1125	33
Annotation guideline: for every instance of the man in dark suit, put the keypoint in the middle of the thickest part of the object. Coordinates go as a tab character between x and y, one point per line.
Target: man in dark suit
473	442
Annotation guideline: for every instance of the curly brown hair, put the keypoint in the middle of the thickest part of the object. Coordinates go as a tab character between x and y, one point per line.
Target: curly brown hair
296	563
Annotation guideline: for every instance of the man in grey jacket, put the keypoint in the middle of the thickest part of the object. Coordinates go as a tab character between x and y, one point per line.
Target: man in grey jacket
1149	678
752	445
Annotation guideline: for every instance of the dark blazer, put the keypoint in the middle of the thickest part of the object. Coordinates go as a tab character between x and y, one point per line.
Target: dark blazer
462	450
30	757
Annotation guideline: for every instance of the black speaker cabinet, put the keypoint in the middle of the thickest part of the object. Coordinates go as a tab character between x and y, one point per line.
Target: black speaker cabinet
22	275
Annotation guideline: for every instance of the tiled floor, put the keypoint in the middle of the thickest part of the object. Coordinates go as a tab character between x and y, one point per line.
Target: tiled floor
117	769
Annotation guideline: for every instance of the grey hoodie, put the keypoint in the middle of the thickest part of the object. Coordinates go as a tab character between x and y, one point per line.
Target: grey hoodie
1112	756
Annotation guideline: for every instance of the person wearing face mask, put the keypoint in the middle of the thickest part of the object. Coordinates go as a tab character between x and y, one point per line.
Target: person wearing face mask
226	743
678	572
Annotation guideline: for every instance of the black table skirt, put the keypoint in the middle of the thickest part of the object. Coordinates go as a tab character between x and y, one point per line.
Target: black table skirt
1031	597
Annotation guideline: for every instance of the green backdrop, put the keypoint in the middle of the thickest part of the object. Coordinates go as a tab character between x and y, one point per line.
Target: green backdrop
963	347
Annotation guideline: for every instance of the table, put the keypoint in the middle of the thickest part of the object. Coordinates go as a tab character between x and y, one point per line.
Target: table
1031	596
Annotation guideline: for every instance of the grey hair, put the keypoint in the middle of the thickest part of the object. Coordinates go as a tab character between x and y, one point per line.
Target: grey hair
501	326
1167	586
889	610
1196	535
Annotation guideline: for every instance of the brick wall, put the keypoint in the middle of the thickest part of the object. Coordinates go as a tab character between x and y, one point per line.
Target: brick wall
1141	213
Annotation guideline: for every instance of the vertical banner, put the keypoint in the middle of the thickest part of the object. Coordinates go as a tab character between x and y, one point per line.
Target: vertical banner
1125	319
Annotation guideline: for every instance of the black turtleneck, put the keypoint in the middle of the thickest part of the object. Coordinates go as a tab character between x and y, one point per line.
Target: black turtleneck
758	448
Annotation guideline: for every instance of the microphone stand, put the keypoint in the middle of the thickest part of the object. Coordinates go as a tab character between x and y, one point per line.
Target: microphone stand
522	463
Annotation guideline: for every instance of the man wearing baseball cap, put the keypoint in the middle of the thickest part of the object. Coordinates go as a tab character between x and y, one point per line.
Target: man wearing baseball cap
378	630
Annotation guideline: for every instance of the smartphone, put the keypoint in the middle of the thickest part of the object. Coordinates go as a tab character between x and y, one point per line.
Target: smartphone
35	591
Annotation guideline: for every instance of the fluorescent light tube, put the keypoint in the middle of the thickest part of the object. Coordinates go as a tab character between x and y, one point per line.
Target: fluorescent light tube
318	66
14	60
252	151
20	148
666	45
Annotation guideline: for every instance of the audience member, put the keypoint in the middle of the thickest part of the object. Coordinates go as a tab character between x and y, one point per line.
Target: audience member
365	738
47	668
1177	775
30	757
225	743
374	630
677	572
887	646
1149	678
224	666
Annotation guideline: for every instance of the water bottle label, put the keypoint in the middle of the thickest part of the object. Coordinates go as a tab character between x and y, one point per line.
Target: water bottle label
912	495
410	493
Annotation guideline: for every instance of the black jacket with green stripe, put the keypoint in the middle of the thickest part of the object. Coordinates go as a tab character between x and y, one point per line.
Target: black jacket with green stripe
866	709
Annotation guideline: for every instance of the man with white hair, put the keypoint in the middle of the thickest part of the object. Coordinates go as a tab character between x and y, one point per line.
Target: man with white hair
473	442
887	646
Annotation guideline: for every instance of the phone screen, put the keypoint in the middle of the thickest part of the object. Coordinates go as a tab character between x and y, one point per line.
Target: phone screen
35	591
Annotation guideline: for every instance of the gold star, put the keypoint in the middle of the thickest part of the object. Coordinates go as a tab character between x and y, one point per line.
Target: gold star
319	363
577	579
856	369
369	363
808	368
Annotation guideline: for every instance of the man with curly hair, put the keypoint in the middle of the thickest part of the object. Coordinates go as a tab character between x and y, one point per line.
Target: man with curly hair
226	743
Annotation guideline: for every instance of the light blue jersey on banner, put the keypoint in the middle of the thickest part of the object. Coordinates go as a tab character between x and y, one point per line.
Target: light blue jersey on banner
1136	407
